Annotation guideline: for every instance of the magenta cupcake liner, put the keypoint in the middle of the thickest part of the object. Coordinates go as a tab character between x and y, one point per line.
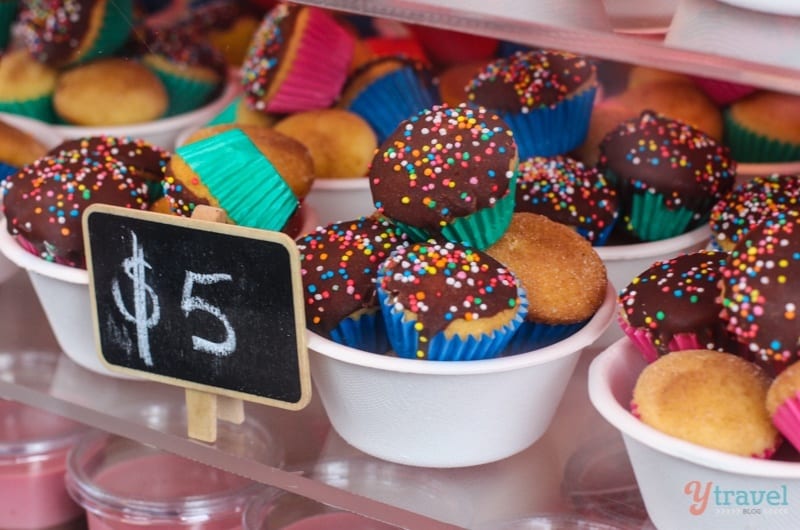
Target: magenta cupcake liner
319	69
643	340
722	92
367	333
787	420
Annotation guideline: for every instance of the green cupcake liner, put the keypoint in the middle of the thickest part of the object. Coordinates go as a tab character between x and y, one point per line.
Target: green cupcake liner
749	146
40	108
228	114
8	14
480	229
114	31
184	94
244	182
650	220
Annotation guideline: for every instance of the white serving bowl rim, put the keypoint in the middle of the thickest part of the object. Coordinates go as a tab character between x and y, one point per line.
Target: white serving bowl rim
655	248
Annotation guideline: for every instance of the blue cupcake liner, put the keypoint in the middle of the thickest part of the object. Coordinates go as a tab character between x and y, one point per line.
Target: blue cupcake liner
534	335
367	332
601	237
391	99
404	338
6	170
246	185
554	130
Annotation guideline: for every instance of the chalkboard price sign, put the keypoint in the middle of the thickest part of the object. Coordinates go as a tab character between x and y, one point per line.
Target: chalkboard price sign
209	306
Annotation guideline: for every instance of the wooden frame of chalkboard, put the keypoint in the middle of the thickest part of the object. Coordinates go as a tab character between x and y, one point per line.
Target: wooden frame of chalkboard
208	306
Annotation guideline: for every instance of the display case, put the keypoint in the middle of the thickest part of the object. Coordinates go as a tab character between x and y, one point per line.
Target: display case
579	465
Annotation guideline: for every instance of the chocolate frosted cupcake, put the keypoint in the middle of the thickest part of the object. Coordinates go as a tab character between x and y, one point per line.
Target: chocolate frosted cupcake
339	265
448	302
759	291
568	192
748	204
450	173
668	174
674	305
546	97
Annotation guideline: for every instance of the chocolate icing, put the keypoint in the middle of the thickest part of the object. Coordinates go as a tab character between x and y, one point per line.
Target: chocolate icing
146	159
54	31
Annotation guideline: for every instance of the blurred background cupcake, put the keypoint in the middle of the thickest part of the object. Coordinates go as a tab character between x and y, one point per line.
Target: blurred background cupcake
26	86
764	127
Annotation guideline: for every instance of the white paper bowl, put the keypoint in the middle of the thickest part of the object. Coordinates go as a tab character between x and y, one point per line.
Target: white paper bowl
163	132
446	414
672	474
341	199
625	262
48	138
64	295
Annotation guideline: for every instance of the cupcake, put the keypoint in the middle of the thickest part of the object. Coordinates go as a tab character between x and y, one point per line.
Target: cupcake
759	299
764	127
297	60
448	302
108	92
63	33
545	96
452	81
748	204
674	305
783	404
44	201
568	192
339	265
8	15
709	398
17	148
256	175
449	172
563	277
387	91
667	173
26	86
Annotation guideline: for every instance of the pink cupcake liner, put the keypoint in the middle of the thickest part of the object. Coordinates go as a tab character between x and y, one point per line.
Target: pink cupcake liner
643	340
722	92
320	67
787	420
29	247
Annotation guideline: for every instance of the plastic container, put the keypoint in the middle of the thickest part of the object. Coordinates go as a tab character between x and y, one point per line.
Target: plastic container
33	451
125	485
682	484
64	294
555	521
163	132
447	414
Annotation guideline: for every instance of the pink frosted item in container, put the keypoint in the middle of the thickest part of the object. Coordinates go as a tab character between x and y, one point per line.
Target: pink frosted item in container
298	60
124	485
33	453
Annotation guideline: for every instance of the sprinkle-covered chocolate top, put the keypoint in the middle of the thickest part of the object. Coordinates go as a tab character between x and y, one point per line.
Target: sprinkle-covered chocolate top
442	164
443	282
184	50
53	31
568	192
657	154
676	296
528	80
339	266
45	200
146	159
759	297
267	50
749	203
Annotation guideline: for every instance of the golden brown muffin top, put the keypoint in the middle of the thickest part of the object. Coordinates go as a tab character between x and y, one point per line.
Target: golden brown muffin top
564	277
17	147
783	387
772	114
709	398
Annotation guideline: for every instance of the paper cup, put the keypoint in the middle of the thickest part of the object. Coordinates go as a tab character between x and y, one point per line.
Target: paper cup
682	484
64	294
163	132
447	414
625	262
341	199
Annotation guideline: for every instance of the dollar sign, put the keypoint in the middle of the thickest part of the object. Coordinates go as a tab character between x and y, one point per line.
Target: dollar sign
134	268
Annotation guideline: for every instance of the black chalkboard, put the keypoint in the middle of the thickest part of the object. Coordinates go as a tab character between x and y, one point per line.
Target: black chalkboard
204	305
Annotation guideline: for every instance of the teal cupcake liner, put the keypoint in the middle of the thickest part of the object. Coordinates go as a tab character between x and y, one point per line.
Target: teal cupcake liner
554	130
367	333
8	14
391	99
40	108
114	31
749	146
404	338
480	229
184	94
650	220
534	335
228	114
243	181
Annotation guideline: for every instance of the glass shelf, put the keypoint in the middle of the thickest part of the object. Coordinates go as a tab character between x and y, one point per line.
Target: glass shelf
733	44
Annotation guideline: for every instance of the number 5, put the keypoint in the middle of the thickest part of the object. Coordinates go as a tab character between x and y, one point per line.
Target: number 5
191	303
